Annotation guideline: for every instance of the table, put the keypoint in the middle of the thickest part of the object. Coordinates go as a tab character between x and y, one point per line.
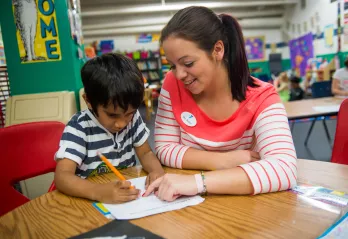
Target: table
304	109
274	215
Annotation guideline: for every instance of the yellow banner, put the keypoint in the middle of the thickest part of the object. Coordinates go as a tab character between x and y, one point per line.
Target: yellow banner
37	30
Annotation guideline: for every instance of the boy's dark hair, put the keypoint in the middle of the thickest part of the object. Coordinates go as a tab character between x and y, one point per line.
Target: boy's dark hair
295	79
112	78
203	27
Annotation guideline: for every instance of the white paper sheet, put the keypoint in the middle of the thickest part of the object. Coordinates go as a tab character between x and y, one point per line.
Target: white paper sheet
328	108
146	206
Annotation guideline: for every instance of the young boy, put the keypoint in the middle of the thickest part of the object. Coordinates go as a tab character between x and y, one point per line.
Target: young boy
296	92
111	125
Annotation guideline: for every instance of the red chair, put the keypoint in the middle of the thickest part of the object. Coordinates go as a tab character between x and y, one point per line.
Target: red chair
340	148
26	150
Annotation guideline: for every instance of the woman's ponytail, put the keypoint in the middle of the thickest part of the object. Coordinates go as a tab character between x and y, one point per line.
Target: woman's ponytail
237	62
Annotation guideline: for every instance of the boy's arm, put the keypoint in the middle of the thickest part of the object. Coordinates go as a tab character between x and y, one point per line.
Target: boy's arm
68	183
149	161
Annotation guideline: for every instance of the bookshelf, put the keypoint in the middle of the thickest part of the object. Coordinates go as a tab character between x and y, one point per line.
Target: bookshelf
151	69
165	64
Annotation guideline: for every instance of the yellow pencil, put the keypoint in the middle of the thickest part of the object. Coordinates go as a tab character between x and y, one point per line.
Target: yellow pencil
113	169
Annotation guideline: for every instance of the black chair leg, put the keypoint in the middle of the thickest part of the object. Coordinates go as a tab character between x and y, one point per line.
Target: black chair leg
310	131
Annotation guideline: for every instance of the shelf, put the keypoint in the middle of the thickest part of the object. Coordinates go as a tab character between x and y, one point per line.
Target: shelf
150	80
150	70
147	59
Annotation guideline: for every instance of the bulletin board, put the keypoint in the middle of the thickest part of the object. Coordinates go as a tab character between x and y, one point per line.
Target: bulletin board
255	48
301	49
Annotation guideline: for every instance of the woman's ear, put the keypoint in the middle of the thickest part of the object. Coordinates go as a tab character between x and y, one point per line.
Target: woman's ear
87	101
219	50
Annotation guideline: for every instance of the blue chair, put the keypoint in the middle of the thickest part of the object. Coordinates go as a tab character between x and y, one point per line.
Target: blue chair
319	90
264	77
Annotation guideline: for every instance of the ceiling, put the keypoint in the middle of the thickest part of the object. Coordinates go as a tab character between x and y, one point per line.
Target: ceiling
111	18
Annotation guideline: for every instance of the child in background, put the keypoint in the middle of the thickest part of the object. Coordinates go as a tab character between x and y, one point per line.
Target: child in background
296	92
111	125
282	87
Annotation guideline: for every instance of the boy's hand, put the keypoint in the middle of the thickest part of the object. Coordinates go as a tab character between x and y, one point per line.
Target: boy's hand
153	176
116	192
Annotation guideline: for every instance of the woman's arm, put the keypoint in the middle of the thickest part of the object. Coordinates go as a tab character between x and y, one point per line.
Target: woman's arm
170	150
277	168
167	134
275	171
168	146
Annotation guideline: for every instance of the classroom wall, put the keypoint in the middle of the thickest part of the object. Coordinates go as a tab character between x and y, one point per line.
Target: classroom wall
323	12
271	36
41	77
129	42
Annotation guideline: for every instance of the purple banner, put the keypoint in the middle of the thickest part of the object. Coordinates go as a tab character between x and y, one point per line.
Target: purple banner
301	49
255	48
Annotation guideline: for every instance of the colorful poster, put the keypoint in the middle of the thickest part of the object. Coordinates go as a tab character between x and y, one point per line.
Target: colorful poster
146	38
255	48
328	35
2	56
345	12
301	49
345	34
37	30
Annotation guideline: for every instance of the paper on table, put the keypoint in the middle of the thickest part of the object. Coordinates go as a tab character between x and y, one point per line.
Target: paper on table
328	108
146	206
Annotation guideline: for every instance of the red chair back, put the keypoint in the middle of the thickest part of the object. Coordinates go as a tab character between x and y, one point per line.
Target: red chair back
340	148
26	150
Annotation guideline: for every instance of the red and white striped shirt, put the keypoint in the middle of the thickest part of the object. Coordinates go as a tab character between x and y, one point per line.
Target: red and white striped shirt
259	124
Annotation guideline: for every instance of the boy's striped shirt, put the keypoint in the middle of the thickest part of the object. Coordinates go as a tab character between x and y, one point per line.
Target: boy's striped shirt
84	136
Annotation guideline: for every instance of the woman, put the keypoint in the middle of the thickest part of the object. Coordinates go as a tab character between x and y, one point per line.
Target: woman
213	115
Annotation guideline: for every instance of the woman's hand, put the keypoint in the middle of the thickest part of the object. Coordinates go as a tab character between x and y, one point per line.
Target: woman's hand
171	186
